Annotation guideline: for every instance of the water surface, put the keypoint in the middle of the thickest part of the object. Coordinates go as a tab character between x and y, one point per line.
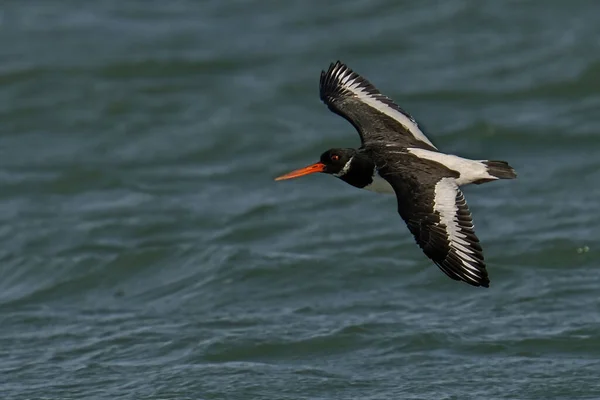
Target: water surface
148	253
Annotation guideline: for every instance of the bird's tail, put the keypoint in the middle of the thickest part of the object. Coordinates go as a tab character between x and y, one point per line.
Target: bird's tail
500	169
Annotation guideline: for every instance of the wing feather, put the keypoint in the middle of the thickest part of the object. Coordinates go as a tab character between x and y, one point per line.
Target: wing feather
438	217
375	116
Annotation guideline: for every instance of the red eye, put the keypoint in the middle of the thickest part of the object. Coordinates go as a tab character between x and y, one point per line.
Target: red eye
335	157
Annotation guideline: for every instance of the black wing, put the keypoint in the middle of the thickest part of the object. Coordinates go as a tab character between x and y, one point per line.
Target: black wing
437	215
375	116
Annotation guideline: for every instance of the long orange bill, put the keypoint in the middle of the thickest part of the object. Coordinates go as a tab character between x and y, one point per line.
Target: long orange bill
311	169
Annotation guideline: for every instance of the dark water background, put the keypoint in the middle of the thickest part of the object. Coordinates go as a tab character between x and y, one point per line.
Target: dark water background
147	253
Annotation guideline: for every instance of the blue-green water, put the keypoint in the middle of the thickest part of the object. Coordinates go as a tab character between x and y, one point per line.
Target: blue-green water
148	253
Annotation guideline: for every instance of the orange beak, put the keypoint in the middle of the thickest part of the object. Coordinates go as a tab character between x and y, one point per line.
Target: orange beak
311	169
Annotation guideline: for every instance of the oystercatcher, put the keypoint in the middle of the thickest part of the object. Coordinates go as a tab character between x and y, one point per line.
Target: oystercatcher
397	157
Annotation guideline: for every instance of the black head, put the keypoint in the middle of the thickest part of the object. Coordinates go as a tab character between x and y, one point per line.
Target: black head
332	162
349	165
335	160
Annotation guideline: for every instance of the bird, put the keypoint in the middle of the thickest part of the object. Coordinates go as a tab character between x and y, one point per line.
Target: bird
396	157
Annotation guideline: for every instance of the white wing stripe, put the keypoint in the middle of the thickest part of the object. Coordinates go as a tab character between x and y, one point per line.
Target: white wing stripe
464	256
445	205
472	273
355	87
462	248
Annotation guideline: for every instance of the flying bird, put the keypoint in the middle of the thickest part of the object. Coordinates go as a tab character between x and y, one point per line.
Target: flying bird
396	157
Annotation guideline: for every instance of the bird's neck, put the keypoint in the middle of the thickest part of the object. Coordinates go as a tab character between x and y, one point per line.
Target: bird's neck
359	172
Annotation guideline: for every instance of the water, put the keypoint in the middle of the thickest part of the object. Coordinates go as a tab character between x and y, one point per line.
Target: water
148	253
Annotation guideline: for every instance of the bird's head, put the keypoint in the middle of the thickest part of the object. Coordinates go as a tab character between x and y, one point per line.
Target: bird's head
333	161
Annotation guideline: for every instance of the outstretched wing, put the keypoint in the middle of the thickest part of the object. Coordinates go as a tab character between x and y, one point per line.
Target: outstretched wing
439	218
375	116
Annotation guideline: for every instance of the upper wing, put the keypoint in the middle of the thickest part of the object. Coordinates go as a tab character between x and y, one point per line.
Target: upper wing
439	218
375	116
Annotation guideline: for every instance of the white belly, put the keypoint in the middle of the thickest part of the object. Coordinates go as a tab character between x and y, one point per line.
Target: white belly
379	185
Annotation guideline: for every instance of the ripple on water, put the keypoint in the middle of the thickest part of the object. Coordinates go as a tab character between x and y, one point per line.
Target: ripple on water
147	252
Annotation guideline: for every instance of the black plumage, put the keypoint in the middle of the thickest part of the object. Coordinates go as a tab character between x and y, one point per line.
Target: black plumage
396	156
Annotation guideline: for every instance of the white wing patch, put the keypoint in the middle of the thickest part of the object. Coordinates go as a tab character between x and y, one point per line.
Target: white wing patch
469	170
447	195
354	85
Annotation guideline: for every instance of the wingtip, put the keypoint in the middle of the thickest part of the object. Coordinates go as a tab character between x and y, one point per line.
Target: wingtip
484	280
336	65
459	276
331	80
485	283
